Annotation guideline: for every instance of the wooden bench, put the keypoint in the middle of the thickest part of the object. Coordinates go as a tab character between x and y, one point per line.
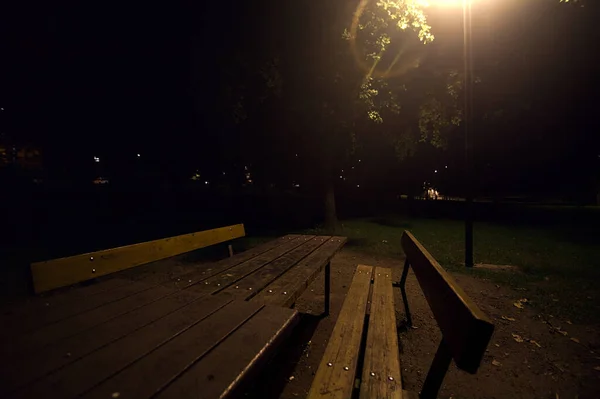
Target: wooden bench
364	342
62	272
203	333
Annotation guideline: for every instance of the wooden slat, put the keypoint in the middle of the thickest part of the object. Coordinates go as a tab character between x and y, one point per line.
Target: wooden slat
335	376
381	367
465	328
250	285
66	271
221	373
12	313
147	376
24	370
52	314
295	281
82	375
207	271
71	326
222	280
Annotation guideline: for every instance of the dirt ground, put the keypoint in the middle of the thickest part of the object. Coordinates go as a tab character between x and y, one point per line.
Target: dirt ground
534	356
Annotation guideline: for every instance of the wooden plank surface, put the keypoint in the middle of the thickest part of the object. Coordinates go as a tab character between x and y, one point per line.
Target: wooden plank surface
222	371
61	272
56	298
52	314
335	376
206	271
222	280
26	369
285	290
250	285
80	376
48	334
381	367
147	376
465	328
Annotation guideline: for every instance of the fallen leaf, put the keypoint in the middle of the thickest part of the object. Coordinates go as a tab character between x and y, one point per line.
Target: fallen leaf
497	345
517	338
518	305
496	363
568	322
508	318
524	300
574	340
564	333
535	343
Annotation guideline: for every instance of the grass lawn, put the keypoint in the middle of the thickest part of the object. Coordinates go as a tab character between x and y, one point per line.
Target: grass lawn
559	265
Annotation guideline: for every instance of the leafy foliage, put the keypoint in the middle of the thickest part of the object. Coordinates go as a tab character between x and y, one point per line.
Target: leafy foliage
382	38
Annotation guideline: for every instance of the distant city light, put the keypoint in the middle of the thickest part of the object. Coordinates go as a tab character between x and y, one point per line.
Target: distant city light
341	177
435	171
446	166
359	160
138	155
223	173
1	109
296	185
358	185
353	167
342	170
296	155
96	159
206	182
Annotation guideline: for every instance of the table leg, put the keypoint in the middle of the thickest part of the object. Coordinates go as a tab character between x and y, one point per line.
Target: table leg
327	288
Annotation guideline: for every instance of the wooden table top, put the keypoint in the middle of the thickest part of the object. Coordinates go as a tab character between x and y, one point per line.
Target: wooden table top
123	338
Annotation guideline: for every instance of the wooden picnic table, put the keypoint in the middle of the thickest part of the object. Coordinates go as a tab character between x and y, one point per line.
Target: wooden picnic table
202	334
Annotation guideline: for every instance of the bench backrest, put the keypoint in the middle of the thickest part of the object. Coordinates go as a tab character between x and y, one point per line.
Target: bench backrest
466	330
61	272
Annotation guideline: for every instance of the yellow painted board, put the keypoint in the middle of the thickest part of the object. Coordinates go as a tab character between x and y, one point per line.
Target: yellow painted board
61	272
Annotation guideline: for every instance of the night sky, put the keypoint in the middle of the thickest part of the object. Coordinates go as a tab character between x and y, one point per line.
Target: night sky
113	80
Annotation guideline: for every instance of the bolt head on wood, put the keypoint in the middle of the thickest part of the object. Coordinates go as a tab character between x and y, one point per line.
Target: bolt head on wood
329	364
270	290
91	258
250	289
93	270
372	374
346	368
284	292
391	378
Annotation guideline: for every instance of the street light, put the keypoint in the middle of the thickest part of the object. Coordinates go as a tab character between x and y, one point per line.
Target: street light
468	121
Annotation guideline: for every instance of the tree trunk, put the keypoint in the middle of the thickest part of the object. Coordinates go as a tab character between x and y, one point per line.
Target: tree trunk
331	220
